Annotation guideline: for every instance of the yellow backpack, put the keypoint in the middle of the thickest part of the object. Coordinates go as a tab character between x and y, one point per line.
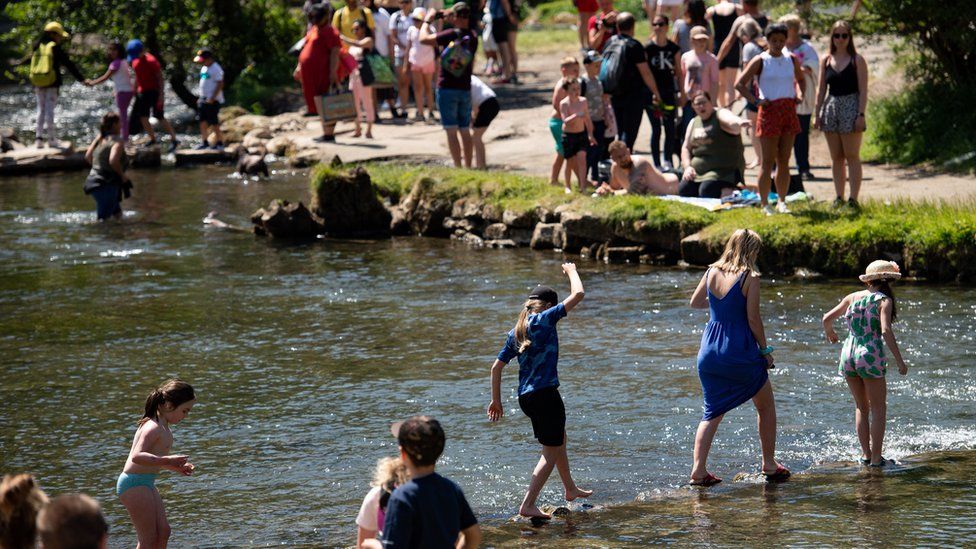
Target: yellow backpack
42	73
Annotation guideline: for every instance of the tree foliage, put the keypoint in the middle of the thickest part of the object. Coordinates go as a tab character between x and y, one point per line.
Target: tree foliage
242	33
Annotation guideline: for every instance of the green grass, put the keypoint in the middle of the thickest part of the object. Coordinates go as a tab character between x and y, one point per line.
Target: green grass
548	40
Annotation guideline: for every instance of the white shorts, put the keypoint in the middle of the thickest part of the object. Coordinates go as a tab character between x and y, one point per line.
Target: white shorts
670	2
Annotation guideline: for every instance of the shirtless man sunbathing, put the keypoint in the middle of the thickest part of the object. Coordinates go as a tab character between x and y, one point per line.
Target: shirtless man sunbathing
632	174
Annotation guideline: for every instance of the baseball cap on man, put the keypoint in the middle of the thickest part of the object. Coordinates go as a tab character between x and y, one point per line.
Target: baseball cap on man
544	293
134	49
460	7
203	54
421	438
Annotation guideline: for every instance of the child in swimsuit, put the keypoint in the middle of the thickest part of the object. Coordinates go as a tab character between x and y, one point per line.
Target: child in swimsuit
167	405
869	314
535	343
577	131
569	69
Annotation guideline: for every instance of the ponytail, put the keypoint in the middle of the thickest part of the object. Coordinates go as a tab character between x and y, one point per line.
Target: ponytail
174	392
532	306
885	288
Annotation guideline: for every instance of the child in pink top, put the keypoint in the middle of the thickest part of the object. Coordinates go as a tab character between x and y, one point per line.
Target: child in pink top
121	76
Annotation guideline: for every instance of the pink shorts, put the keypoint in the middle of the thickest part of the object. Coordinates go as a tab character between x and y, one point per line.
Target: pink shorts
424	69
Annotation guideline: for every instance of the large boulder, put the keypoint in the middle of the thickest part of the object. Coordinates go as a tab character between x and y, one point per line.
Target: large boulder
424	212
348	206
547	236
286	220
257	137
586	227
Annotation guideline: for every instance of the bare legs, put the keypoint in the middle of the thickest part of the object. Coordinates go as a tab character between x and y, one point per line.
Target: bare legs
870	399
845	148
584	37
148	516
766	409
455	147
557	165
756	142
477	137
726	86
419	91
578	164
328	128
776	151
552	457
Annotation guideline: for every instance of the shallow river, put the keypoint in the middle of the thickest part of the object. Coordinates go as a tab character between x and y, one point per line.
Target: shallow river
302	355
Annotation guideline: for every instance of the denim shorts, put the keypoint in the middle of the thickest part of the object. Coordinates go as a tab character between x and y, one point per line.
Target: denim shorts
106	201
455	108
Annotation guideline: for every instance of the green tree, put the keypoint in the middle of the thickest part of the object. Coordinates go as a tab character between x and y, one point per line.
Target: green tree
241	33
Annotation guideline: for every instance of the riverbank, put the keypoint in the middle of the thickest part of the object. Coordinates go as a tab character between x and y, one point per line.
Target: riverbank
935	242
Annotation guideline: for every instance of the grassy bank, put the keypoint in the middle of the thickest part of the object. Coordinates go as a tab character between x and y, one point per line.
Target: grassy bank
936	241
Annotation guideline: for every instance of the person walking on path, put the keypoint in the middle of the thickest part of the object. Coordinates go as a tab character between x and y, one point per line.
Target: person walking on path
458	47
722	16
664	58
869	314
504	22
694	17
749	33
150	87
318	66
840	116
734	357
400	25
121	75
628	98
780	90
810	65
107	182
46	60
535	343
210	96
700	72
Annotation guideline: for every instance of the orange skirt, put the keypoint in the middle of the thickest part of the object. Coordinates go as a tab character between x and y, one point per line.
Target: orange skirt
778	118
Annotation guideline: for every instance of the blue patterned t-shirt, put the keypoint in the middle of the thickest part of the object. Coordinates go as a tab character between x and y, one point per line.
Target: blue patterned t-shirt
537	365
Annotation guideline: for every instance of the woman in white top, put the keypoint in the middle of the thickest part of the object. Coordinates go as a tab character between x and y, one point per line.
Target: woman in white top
121	75
484	109
400	23
780	82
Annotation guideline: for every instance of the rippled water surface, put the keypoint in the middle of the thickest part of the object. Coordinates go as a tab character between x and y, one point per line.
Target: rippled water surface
302	354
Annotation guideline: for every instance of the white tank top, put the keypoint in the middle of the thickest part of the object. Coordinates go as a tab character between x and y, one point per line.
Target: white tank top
776	78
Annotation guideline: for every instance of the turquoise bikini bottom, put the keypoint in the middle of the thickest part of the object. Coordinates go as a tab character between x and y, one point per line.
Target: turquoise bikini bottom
131	480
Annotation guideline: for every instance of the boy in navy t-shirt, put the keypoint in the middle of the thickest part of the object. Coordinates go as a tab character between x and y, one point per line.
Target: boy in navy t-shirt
535	342
429	511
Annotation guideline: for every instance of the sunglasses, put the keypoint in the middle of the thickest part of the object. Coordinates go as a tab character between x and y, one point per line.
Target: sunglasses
843	35
660	24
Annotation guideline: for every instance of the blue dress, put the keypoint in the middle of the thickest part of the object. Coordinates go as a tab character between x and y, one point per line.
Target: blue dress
729	364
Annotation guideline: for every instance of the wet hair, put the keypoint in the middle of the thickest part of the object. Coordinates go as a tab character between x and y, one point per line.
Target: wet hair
21	499
750	29
741	252
695	13
884	287
776	28
567	82
72	521
109	120
625	21
850	39
119	49
174	392
531	307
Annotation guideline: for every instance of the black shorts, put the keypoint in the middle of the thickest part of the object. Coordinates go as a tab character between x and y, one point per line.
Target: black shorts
209	113
500	28
486	113
145	104
704	189
548	414
574	143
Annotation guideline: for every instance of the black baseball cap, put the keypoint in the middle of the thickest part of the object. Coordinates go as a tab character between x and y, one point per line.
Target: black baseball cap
592	56
421	437
544	293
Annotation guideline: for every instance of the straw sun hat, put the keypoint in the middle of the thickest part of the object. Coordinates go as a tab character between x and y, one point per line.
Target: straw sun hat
881	270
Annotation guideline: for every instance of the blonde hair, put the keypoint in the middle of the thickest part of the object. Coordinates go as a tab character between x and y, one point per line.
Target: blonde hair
791	20
568	61
21	499
531	307
741	253
390	473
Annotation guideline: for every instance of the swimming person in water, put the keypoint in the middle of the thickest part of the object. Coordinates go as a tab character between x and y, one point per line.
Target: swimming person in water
734	358
869	314
167	405
535	342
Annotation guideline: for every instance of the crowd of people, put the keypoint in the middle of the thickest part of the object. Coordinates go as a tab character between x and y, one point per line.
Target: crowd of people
411	505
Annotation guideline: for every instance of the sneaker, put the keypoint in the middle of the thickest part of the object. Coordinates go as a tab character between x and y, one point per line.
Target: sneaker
767	210
419	118
324	139
807	176
173	146
666	166
218	146
781	208
852	204
838	202
567	190
202	146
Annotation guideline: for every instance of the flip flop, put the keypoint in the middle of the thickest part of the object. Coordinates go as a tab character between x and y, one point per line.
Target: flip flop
709	480
781	474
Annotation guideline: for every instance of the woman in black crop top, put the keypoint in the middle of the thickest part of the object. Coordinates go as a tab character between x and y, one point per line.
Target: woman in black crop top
841	101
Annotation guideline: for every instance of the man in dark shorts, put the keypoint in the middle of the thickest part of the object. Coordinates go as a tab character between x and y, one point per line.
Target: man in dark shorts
149	93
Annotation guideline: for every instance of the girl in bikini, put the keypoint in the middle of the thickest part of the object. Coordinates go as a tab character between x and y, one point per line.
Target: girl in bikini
167	405
869	314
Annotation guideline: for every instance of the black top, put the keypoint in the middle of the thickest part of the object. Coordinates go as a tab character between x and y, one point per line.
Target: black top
631	83
426	513
61	60
722	24
843	82
661	60
762	20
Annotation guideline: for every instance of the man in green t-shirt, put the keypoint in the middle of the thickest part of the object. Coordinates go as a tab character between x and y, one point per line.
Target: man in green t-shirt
343	18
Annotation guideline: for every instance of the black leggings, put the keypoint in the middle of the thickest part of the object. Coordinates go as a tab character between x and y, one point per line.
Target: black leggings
705	189
670	142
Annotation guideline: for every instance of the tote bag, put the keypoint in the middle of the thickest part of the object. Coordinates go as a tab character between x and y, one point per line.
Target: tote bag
337	105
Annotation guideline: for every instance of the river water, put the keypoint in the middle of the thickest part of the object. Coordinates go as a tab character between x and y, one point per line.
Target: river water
302	355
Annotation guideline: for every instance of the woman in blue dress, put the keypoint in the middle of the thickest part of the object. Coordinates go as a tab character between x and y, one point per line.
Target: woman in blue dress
734	358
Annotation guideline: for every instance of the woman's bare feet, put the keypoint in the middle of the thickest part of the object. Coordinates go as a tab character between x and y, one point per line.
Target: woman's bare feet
533	512
578	493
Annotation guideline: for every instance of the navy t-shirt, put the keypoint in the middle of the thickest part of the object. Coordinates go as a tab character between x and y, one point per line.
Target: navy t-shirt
537	365
427	512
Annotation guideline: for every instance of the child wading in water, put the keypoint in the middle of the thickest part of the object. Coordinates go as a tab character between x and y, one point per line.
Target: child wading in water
535	342
167	405
869	315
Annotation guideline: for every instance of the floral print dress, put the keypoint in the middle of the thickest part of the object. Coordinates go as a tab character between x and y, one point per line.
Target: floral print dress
863	352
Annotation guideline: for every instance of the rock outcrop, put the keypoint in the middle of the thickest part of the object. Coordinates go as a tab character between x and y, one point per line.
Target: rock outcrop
286	220
347	205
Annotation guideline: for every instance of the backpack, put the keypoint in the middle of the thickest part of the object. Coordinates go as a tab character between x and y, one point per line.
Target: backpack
612	68
457	56
42	72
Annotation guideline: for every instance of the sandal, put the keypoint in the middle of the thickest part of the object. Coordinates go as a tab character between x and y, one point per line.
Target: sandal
781	474
709	480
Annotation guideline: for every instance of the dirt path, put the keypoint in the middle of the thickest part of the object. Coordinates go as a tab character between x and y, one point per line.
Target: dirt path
519	138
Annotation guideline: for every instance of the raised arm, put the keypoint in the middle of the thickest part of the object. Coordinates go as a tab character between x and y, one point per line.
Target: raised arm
889	335
754	315
830	316
428	35
731	123
699	299
575	287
